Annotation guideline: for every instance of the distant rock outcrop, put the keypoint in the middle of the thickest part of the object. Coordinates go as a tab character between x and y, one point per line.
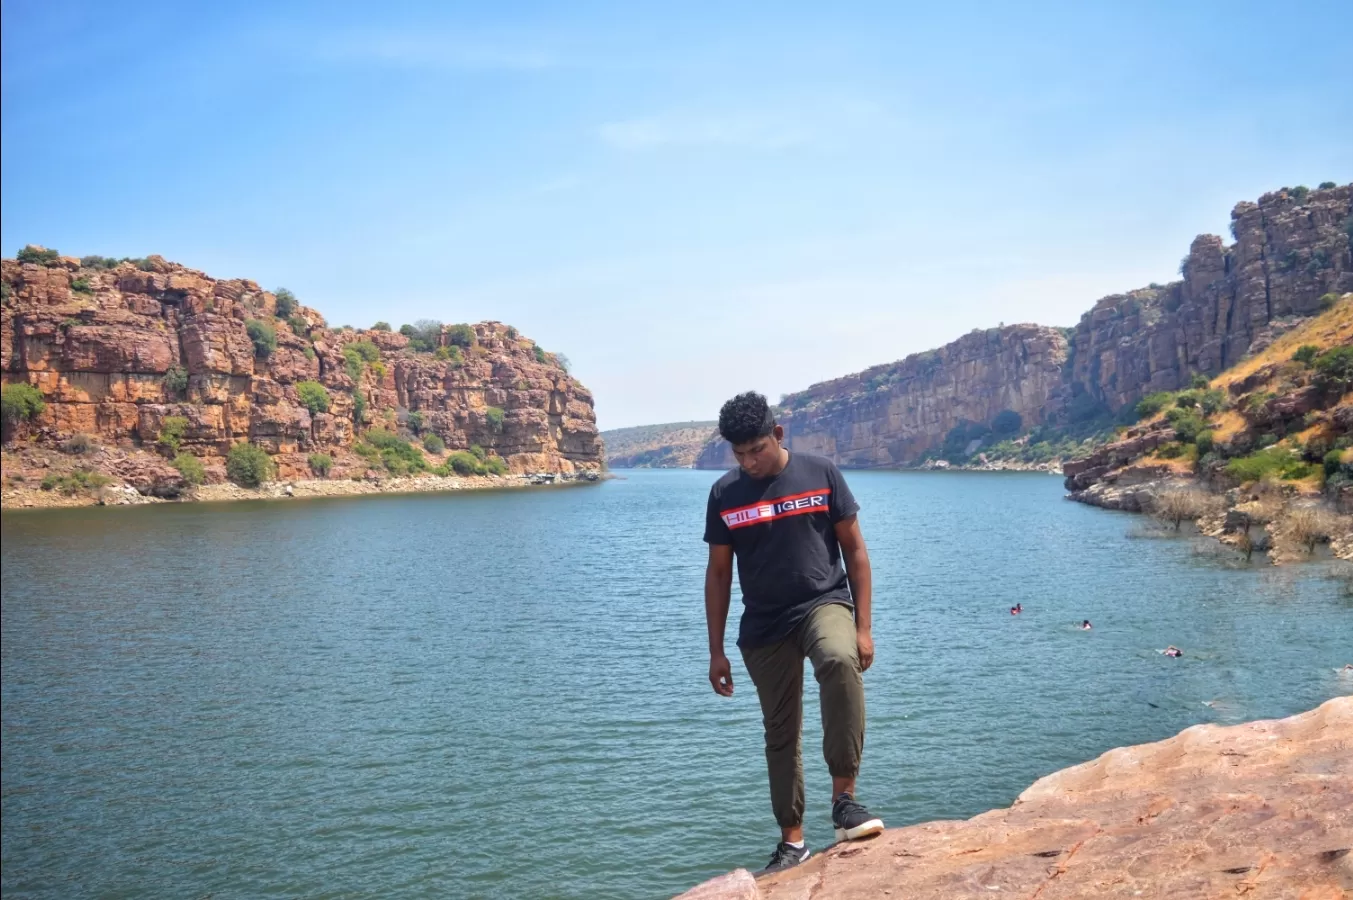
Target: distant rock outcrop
674	445
117	349
1291	249
1258	810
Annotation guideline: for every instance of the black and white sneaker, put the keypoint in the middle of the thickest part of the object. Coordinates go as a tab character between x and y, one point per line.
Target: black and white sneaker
853	821
786	856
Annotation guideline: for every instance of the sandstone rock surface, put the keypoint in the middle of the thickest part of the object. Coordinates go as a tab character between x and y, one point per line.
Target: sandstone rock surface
1259	811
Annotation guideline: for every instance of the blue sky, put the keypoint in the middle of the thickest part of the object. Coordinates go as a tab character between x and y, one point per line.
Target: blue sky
688	200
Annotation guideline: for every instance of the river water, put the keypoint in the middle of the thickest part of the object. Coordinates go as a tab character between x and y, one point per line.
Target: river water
504	694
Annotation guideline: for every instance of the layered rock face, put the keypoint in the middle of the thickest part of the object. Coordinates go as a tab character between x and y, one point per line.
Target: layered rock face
674	445
108	348
1257	810
1290	250
891	414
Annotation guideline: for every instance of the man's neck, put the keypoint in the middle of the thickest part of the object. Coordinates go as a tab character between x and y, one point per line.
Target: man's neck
784	461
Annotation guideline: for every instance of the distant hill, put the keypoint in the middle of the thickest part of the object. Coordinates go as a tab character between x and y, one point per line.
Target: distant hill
671	446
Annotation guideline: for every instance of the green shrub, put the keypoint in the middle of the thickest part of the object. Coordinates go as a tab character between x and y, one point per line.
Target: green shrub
321	463
397	455
1208	400
74	482
1334	368
416	421
478	452
286	303
309	352
98	262
1269	461
496	465
264	337
494	416
1205	441
171	433
368	351
450	354
82	286
463	463
1306	354
299	327
190	467
20	401
460	336
353	363
433	443
511	333
1332	462
425	335
381	326
1327	301
314	397
1200	381
1326	185
1172	450
175	381
249	465
540	353
358	409
562	361
40	255
1153	403
1187	424
1300	193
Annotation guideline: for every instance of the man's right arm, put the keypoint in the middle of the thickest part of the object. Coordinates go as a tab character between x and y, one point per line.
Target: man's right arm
718	594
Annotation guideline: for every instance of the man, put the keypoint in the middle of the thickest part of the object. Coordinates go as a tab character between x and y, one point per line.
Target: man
789	519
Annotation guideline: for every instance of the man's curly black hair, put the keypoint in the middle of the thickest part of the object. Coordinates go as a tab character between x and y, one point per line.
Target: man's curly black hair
745	418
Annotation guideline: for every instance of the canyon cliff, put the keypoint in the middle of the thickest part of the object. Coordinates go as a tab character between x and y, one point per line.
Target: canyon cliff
1291	254
117	349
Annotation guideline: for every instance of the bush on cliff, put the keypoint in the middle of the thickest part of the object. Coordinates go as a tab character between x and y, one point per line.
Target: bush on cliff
299	327
353	363
1306	354
433	443
494	416
368	351
99	262
1334	369
460	336
19	402
397	455
249	465
82	286
74	482
381	326
539	352
1187	424
313	396
1007	422
321	463
1151	404
358	409
264	337
39	255
175	381
190	467
171	432
286	303
463	463
425	335
451	355
1275	461
496	465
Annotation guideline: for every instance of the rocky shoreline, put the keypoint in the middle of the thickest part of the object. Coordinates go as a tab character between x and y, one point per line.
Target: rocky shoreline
1258	810
126	495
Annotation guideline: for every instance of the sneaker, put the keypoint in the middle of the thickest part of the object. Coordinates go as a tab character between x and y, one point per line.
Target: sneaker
853	821
786	856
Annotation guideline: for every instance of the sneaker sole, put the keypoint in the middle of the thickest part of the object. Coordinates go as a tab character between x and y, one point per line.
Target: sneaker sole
868	829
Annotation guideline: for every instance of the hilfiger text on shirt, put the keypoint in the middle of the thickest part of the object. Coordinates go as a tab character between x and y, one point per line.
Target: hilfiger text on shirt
778	508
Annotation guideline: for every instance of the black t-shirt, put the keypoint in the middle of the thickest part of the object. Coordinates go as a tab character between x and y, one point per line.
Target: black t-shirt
781	531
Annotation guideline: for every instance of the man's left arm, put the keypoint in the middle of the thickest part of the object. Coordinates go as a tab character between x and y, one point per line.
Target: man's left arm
856	558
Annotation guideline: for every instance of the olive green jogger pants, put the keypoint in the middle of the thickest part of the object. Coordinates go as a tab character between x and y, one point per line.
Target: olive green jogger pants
827	637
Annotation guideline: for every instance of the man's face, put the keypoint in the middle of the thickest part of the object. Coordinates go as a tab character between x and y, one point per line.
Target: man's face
761	456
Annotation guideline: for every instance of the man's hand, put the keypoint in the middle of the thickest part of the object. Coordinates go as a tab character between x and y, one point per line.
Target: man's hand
864	641
721	674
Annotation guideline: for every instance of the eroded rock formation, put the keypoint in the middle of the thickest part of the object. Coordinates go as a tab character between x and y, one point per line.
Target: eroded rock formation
1258	810
116	349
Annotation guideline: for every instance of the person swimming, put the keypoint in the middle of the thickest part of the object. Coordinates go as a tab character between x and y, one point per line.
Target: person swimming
1172	651
1017	609
1085	625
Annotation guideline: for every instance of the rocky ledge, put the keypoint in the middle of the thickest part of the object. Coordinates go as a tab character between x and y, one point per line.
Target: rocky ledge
1259	810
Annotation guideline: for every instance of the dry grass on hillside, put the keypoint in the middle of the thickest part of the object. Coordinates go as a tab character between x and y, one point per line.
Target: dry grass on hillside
1332	328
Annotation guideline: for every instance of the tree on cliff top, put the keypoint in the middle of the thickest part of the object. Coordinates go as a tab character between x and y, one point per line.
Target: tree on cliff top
286	303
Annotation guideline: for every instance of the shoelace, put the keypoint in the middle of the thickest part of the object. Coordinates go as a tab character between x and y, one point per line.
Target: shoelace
784	853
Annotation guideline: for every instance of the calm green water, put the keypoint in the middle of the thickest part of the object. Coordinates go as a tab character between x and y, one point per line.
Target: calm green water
505	695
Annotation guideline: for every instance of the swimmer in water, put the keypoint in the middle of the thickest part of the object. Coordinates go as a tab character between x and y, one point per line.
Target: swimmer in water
1172	651
1017	609
1085	625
